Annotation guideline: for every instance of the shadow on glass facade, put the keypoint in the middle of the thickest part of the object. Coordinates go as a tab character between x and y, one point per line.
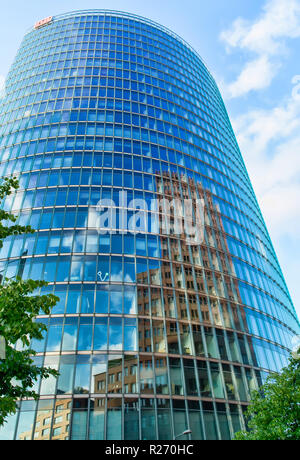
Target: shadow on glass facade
153	335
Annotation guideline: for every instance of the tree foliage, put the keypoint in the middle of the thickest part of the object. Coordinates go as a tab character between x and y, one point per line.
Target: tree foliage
274	412
7	220
18	310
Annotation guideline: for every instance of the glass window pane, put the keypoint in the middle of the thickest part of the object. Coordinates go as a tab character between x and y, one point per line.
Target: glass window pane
114	419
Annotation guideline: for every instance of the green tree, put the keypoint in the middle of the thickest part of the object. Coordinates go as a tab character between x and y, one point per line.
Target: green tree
7	220
274	412
18	310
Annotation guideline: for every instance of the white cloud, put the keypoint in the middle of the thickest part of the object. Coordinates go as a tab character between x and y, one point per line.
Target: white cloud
256	74
269	140
265	38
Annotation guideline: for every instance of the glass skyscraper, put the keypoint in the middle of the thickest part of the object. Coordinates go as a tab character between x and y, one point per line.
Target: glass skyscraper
107	113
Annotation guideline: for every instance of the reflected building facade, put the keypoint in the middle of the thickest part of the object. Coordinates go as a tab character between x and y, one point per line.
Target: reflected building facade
152	335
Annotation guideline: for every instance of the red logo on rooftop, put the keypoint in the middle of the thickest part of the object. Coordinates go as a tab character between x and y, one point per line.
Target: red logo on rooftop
43	22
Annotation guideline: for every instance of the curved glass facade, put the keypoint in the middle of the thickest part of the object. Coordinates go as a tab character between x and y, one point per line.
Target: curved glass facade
153	334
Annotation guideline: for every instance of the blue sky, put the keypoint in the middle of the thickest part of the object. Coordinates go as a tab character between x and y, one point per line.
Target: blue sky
252	49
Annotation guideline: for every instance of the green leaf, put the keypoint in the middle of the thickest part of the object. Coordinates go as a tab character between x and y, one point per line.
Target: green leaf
274	412
18	325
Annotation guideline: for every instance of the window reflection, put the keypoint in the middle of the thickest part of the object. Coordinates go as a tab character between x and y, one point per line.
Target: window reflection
48	386
131	419
74	299
158	335
164	419
54	335
176	378
114	419
26	419
96	419
102	299
180	418
172	337
146	375
99	370
217	382
79	420
203	377
66	374
85	334
161	376
196	424
148	419
115	334
69	340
